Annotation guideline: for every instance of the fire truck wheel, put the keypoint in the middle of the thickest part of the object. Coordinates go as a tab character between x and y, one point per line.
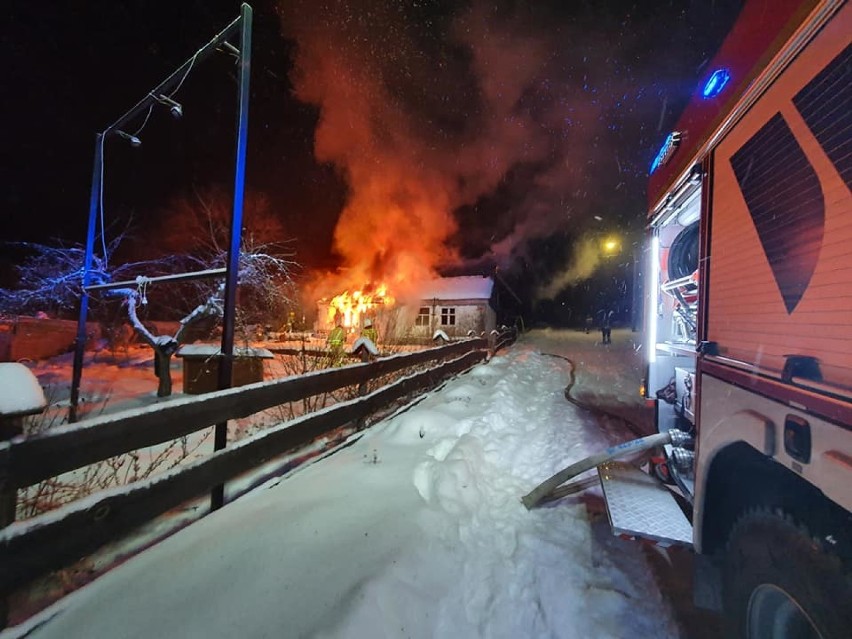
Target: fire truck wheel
780	584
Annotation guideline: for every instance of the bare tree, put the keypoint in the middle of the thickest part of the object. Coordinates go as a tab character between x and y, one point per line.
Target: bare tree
200	223
264	277
50	278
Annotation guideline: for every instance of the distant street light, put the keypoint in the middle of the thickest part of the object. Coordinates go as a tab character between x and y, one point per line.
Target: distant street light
611	246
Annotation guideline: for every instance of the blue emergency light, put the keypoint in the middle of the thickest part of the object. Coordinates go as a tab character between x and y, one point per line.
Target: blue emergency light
715	83
666	151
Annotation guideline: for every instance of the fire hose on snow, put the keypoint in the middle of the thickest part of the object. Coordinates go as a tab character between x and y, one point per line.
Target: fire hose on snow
553	487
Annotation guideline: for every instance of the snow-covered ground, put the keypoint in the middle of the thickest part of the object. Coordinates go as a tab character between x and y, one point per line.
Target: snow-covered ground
110	382
415	530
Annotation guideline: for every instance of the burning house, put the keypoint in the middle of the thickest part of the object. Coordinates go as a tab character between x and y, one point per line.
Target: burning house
455	305
351	309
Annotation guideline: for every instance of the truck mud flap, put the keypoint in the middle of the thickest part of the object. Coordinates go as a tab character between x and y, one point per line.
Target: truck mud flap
639	505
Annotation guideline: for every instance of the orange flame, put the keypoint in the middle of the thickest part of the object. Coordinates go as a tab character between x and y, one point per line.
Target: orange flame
347	307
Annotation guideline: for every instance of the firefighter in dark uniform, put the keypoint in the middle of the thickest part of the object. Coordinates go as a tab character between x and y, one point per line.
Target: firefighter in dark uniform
606	327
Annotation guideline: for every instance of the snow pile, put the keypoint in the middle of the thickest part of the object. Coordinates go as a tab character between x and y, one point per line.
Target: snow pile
20	392
416	530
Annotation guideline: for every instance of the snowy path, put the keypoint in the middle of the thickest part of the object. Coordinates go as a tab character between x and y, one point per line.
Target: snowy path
416	530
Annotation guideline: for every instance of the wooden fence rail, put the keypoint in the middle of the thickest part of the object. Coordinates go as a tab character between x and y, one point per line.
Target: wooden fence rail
31	548
60	450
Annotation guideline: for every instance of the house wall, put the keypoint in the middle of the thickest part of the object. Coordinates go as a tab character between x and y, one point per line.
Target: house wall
471	315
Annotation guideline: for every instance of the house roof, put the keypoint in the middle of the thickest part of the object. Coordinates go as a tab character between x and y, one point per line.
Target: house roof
458	288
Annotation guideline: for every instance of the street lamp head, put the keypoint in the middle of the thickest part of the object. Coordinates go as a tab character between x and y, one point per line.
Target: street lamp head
175	107
134	141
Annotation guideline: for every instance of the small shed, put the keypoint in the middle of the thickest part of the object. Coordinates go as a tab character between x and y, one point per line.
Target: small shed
201	367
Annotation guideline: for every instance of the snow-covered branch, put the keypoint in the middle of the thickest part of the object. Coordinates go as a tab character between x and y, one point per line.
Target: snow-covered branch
50	278
213	306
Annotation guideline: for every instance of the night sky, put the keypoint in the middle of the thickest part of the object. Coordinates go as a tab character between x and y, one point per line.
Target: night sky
507	134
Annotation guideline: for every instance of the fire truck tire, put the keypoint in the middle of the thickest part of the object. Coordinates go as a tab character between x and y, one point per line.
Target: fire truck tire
778	583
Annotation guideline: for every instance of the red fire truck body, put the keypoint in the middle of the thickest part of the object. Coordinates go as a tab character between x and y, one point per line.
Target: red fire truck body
749	320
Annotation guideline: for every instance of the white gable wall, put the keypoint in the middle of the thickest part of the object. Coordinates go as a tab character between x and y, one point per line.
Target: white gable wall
470	315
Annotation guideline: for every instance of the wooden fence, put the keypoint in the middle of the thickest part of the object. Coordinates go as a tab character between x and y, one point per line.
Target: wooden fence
48	542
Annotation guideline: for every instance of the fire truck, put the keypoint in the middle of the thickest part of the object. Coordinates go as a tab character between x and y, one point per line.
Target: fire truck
749	331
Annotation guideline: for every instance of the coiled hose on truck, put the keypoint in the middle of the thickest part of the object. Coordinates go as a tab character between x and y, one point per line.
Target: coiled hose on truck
552	488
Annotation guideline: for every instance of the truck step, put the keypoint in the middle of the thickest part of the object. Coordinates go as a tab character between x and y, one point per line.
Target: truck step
639	505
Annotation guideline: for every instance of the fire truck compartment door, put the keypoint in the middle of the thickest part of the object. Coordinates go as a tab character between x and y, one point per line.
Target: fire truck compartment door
638	505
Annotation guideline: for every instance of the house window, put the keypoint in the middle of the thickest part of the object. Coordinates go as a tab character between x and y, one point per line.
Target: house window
422	316
448	317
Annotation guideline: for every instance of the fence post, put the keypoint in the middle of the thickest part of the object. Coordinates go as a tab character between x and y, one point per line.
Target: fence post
366	358
9	428
365	348
23	393
492	343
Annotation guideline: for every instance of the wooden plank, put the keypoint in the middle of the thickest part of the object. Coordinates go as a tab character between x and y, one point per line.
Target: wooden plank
30	549
309	352
67	448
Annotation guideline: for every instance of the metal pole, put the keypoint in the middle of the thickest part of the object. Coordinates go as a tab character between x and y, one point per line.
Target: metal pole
226	360
220	39
210	273
80	342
